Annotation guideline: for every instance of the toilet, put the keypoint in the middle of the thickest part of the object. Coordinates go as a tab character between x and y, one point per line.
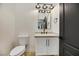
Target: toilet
23	42
17	51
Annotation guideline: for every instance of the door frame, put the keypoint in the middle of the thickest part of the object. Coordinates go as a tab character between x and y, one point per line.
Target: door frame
62	28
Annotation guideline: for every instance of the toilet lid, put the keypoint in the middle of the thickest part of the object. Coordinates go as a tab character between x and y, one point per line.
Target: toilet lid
19	50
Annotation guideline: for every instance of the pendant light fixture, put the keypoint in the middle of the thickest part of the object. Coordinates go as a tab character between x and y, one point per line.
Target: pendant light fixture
44	8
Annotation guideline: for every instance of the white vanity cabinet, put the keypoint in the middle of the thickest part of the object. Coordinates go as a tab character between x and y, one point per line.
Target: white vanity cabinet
41	48
53	46
47	46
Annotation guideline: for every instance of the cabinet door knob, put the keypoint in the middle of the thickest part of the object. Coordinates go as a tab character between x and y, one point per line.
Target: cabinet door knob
46	42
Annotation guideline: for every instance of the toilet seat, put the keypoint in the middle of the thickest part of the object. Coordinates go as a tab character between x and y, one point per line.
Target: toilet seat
17	51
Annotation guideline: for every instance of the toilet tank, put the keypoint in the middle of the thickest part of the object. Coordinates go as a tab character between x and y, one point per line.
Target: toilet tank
23	39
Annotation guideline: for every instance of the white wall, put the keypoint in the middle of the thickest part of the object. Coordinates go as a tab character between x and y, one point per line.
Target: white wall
7	28
16	19
55	14
25	21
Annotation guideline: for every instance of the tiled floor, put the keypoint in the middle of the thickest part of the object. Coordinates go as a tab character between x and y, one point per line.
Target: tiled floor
29	54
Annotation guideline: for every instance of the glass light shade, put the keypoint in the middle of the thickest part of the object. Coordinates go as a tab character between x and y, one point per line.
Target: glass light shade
51	7
44	6
39	11
43	11
48	11
38	6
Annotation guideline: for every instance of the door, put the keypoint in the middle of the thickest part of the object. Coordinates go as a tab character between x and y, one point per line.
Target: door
70	33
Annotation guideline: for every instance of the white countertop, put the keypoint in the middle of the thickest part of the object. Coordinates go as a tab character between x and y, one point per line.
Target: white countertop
46	35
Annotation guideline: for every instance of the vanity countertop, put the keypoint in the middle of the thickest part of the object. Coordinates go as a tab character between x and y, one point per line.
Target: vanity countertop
46	35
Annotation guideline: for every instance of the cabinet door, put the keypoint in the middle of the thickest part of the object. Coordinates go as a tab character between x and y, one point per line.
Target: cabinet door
53	46
41	48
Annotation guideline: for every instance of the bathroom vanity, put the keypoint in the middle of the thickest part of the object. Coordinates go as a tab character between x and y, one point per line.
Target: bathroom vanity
47	39
47	44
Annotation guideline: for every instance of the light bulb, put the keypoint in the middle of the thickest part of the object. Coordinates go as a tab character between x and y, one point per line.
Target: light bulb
51	7
48	11
38	6
44	6
43	11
